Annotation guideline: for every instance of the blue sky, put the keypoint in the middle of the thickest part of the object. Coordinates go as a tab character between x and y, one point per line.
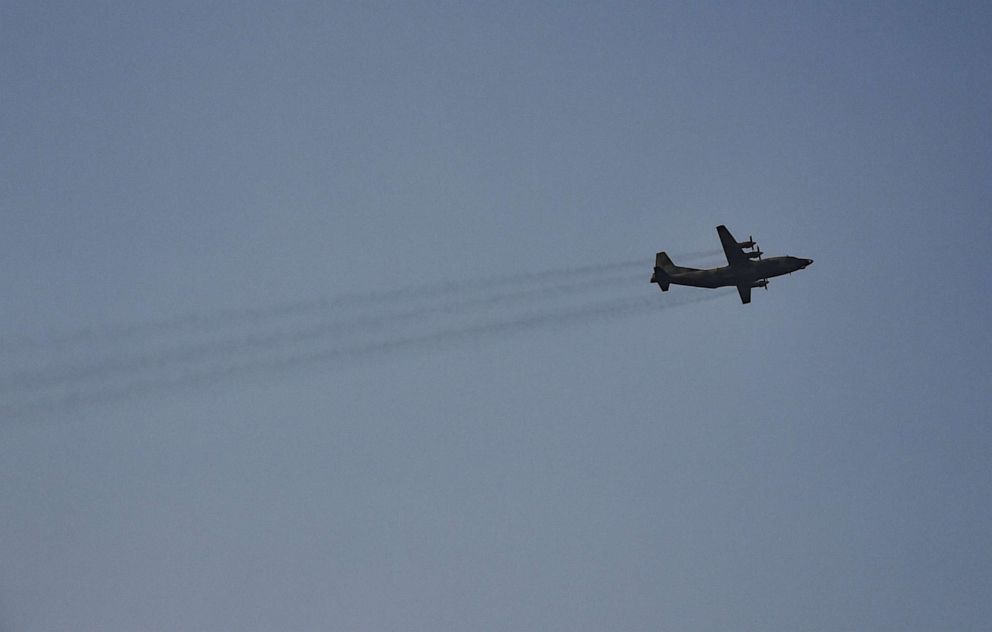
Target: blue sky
817	459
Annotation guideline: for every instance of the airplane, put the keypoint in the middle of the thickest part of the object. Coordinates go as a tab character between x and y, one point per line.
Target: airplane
746	270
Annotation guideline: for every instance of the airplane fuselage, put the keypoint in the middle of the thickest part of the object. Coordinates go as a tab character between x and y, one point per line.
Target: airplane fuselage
746	272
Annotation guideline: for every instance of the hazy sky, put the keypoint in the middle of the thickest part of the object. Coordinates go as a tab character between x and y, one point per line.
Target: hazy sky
247	381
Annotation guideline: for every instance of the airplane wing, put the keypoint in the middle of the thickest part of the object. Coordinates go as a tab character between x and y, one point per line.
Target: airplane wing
735	254
745	291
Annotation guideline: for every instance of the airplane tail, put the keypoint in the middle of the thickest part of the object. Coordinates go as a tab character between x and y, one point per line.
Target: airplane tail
662	266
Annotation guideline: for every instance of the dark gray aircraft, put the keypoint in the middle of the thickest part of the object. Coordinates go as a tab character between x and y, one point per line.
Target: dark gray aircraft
745	269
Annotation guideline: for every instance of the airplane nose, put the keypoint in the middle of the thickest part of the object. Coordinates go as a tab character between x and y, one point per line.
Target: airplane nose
808	261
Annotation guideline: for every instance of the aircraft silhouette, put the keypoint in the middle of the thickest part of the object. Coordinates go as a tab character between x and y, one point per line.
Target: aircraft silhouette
746	270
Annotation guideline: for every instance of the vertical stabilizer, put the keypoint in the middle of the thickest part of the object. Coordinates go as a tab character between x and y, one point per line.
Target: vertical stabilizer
663	261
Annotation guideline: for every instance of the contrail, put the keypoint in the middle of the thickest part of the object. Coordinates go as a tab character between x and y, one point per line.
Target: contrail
209	320
442	338
156	359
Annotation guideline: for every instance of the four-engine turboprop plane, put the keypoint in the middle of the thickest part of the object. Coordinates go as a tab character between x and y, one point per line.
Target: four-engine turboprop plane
745	269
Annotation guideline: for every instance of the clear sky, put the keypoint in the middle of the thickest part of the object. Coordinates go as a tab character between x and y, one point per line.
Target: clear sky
244	385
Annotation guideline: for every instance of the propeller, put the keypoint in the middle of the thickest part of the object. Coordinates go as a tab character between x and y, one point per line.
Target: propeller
754	247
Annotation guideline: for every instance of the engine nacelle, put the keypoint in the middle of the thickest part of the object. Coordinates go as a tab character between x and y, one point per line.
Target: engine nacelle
750	243
762	283
754	255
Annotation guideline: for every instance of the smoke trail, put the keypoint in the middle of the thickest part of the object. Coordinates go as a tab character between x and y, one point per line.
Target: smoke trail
210	320
436	340
88	371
